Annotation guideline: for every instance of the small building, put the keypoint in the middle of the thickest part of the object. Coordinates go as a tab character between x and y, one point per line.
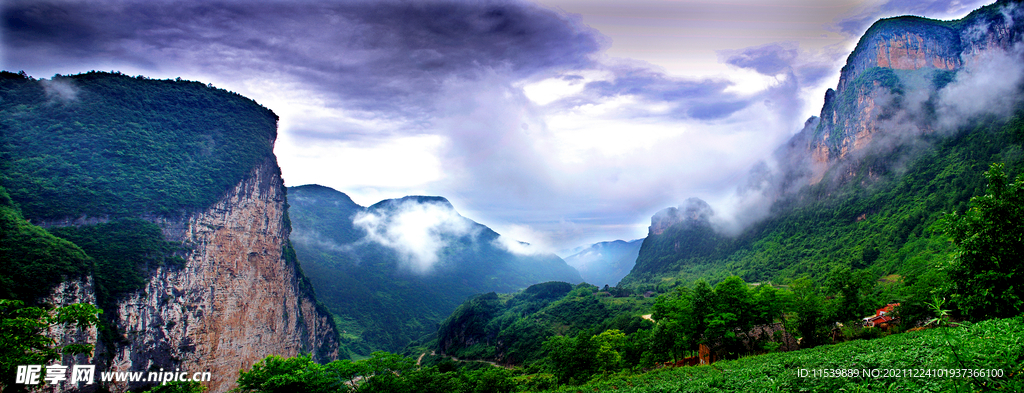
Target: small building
883	316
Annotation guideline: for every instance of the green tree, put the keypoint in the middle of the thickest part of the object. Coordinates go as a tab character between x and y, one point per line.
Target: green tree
986	271
809	307
22	338
676	332
703	307
381	362
179	387
276	374
849	287
610	344
768	304
492	380
573	360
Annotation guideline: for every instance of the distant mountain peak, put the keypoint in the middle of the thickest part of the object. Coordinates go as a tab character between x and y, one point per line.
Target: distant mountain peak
605	263
420	199
694	210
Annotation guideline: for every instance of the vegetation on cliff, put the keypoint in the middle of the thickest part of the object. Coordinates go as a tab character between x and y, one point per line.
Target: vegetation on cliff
108	163
33	259
107	149
110	145
880	219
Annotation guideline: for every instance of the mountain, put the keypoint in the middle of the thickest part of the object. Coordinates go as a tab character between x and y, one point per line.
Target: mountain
163	204
391	271
921	110
605	263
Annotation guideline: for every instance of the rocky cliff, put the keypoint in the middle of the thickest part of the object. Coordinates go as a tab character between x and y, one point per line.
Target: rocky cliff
921	109
881	72
204	279
238	298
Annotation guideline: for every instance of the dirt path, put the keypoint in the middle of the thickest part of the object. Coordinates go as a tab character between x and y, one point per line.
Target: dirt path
477	361
647	317
453	358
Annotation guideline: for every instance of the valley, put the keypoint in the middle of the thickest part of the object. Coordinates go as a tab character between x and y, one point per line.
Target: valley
161	204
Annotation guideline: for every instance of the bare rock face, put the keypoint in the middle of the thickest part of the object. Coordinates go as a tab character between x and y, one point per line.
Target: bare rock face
238	298
849	116
903	43
81	290
855	112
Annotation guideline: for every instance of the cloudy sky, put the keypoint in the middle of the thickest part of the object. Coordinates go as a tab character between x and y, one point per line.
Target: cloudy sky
558	122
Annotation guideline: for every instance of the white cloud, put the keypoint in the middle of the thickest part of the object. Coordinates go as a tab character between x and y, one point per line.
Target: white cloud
530	241
399	161
551	89
415	230
988	84
59	89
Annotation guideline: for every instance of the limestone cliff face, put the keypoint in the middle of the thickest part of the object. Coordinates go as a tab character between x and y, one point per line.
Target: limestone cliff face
81	290
885	54
237	299
904	43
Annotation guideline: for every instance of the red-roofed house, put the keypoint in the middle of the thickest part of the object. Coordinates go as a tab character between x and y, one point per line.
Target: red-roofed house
883	316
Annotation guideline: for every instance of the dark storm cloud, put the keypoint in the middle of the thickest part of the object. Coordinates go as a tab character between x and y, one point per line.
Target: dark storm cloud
701	99
386	55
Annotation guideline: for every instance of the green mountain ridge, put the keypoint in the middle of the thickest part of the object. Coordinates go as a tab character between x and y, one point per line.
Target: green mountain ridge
69	156
388	289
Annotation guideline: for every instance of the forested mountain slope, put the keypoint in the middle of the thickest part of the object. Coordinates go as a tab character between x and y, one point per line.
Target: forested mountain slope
922	109
170	204
390	272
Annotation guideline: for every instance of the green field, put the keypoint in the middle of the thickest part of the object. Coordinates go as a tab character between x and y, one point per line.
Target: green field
993	346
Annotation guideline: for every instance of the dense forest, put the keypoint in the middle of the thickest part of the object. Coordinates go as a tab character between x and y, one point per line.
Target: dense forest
167	148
